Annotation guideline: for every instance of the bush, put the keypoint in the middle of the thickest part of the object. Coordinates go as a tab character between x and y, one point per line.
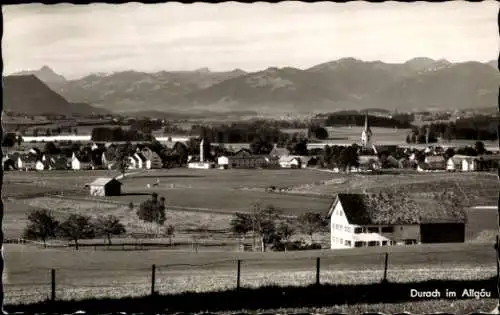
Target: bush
295	246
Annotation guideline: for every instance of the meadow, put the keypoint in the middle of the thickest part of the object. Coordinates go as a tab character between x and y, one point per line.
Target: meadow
86	273
208	198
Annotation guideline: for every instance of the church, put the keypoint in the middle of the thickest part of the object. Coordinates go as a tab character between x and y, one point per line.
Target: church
366	135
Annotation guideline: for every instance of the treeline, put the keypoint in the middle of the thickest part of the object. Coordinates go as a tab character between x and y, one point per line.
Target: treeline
242	132
118	134
476	128
357	119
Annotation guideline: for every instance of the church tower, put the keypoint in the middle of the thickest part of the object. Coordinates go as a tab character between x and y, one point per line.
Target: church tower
366	135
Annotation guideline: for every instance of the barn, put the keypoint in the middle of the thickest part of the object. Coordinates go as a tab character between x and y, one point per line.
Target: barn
105	187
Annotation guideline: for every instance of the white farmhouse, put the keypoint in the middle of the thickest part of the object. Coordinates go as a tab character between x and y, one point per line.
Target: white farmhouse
223	162
39	165
462	163
361	220
290	162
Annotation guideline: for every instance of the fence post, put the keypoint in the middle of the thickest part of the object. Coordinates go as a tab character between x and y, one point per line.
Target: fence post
238	275
153	276
385	266
317	271
53	285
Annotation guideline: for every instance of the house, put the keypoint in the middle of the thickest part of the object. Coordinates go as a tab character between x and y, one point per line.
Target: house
223	162
132	162
369	162
290	162
78	163
462	163
435	162
153	160
8	163
279	152
105	187
40	165
243	160
359	220
58	162
26	162
108	161
141	160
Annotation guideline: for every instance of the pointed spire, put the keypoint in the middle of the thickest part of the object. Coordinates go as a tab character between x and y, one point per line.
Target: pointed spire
367	126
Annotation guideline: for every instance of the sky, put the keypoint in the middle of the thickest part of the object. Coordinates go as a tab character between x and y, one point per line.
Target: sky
76	40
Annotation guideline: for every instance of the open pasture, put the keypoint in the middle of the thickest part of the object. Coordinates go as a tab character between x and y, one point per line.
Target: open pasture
219	193
87	273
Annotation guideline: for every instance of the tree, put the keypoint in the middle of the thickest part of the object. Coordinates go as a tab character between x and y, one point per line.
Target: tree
241	224
108	226
300	148
50	148
450	152
9	140
311	222
319	132
77	227
42	225
263	223
261	146
479	147
285	232
152	210
170	232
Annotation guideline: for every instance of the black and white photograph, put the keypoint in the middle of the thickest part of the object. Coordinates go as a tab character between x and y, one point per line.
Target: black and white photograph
250	158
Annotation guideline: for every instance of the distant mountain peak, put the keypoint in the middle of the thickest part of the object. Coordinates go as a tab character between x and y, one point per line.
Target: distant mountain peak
45	74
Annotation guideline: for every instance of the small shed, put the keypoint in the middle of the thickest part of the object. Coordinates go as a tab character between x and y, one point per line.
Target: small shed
105	187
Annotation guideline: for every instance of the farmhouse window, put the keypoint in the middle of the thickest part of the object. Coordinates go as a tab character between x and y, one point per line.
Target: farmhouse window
341	241
373	229
347	243
387	229
347	229
372	243
359	244
358	230
384	243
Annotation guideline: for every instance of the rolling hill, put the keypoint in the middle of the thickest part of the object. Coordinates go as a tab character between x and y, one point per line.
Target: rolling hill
28	94
348	83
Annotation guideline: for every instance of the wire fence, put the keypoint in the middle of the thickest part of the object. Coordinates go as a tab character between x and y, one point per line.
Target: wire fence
140	279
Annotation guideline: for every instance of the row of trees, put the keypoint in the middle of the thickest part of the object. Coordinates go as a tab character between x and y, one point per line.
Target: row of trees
358	119
118	134
43	225
273	229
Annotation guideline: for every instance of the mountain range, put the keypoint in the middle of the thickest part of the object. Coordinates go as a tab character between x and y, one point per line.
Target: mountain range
420	83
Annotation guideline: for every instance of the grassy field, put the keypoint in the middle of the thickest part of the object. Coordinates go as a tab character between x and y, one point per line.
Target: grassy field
87	273
209	197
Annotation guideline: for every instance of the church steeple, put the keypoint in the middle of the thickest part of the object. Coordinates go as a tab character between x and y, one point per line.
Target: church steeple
366	135
367	125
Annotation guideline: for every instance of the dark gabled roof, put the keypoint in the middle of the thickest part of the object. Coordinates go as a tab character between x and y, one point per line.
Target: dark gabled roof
103	181
366	209
243	152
